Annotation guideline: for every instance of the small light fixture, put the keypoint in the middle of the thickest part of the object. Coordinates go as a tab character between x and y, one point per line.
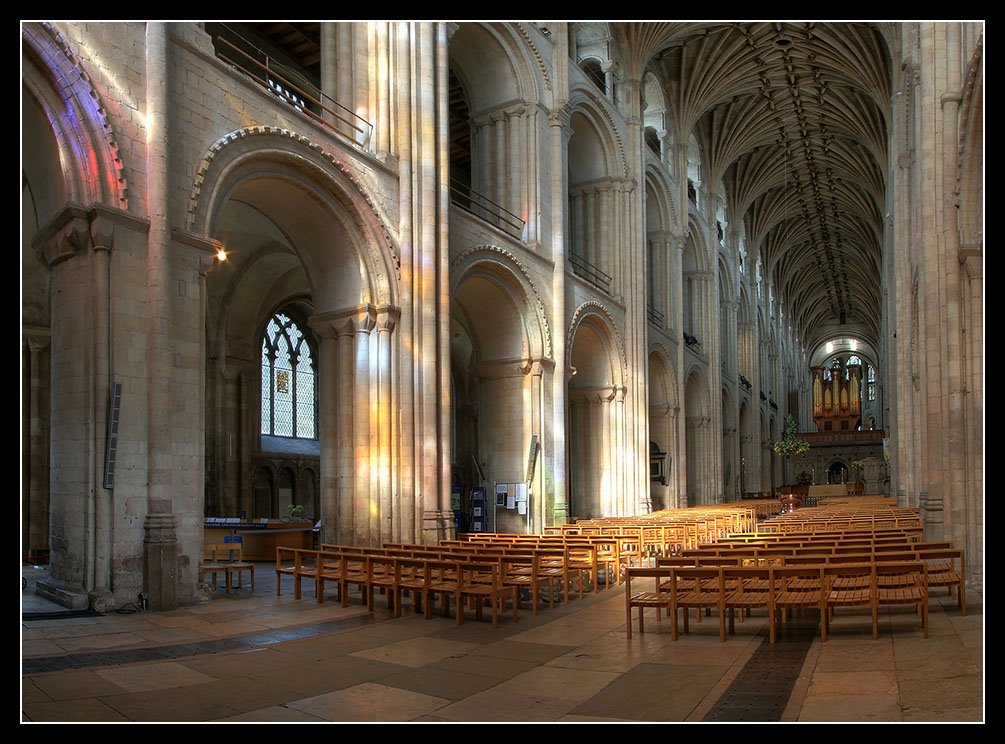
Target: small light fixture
221	254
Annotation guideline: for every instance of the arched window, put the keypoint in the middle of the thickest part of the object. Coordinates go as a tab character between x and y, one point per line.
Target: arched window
871	386
594	72
289	393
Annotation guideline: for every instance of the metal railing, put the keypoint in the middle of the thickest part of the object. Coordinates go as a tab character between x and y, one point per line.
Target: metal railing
691	340
593	274
481	206
276	78
654	315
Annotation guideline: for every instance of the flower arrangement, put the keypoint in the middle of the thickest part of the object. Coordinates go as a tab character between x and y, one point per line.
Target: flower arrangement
296	512
790	444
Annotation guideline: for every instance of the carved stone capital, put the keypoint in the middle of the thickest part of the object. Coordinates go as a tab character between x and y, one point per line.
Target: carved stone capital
67	235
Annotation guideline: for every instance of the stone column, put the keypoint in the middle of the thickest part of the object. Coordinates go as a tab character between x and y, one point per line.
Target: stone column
344	63
35	508
406	484
330	402
100	596
389	528
536	507
660	280
364	501
625	476
345	513
380	62
64	247
558	121
160	539
445	515
329	67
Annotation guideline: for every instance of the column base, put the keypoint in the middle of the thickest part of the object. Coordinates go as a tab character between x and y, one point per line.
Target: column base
437	524
160	562
74	600
560	514
101	601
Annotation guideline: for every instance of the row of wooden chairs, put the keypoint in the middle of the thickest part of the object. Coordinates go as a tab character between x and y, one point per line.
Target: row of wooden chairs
586	554
457	581
535	572
945	565
775	589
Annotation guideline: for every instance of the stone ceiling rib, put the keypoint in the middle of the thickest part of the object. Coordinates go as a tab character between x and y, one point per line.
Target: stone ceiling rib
793	118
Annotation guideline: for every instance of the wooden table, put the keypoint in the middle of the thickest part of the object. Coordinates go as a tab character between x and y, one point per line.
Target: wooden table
259	541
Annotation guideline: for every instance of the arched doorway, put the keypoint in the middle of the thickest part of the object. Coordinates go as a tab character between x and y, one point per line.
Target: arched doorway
663	409
699	440
596	397
837	472
497	387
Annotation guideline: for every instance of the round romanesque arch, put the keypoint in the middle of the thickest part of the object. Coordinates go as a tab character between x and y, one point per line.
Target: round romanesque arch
699	438
499	347
300	235
664	409
596	420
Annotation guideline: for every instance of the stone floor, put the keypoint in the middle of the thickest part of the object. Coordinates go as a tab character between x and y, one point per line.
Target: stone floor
253	656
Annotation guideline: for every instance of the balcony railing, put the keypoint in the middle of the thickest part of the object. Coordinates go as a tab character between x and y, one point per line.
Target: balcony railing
312	103
593	274
654	315
466	198
691	341
745	382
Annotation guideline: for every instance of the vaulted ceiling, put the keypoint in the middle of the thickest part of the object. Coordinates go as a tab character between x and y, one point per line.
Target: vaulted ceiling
793	119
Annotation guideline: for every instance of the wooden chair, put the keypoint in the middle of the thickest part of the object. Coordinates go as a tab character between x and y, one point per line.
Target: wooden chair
481	582
523	571
654	593
380	574
747	588
226	558
946	567
847	585
707	592
581	563
900	583
412	576
794	587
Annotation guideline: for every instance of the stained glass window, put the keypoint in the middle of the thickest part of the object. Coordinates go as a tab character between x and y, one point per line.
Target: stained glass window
289	400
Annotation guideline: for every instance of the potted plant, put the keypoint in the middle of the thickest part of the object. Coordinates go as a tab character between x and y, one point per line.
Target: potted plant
791	444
